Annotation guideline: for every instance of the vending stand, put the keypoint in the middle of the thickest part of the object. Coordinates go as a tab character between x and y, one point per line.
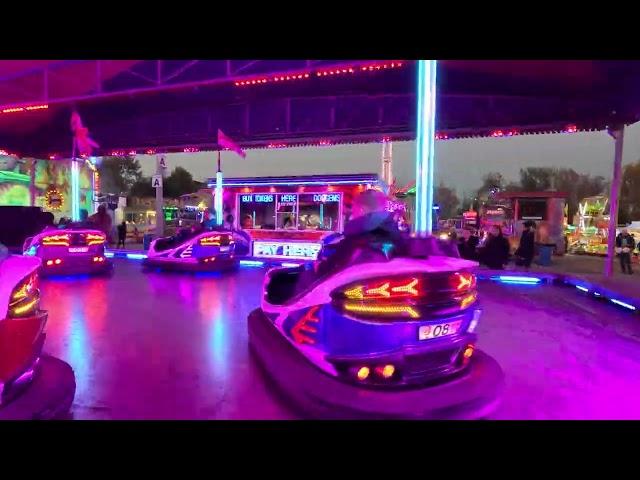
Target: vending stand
288	217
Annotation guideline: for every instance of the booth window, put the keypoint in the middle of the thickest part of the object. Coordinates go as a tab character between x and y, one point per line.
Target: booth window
257	210
319	211
532	209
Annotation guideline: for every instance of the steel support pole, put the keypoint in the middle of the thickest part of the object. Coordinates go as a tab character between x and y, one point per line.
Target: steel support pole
159	201
614	198
425	143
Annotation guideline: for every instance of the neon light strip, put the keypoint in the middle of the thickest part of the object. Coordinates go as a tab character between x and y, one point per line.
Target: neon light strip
425	141
108	254
622	304
289	265
513	278
135	256
304	182
582	288
24	109
75	191
218	199
251	263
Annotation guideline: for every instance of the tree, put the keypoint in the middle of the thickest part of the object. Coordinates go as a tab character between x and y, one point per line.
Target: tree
630	194
142	188
447	200
179	183
118	174
536	179
491	182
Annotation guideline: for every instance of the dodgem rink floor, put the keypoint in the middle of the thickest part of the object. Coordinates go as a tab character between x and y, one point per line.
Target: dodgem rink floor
174	346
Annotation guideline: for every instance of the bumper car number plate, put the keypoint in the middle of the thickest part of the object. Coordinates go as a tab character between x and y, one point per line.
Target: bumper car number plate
427	332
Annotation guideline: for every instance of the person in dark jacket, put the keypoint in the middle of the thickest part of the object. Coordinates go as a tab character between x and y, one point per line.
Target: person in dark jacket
468	244
526	249
625	243
370	224
122	234
495	252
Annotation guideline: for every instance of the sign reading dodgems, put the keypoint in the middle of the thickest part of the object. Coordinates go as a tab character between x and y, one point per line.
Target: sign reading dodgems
297	250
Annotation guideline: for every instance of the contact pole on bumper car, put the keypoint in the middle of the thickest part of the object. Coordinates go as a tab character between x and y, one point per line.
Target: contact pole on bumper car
425	143
616	181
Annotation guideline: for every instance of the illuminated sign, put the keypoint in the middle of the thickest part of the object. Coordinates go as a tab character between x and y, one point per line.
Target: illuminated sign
288	198
326	197
260	198
301	250
392	206
470	214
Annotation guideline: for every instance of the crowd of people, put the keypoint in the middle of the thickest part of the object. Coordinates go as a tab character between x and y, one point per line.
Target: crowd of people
494	252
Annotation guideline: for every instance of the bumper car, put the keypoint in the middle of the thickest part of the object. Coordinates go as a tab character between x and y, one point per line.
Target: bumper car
207	251
32	385
381	339
70	250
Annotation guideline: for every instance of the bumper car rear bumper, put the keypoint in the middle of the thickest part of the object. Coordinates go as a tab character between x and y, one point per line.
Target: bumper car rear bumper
76	266
475	393
48	394
192	265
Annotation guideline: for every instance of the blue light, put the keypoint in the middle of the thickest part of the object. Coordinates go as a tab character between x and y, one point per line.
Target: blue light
108	254
251	263
425	141
218	198
517	279
294	183
136	256
290	265
75	191
582	288
31	252
622	304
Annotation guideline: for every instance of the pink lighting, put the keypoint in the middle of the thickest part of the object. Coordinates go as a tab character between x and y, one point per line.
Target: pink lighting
497	133
571	129
190	149
25	109
4	152
277	145
150	151
318	73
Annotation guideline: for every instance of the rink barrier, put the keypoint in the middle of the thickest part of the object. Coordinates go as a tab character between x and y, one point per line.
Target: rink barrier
509	277
591	288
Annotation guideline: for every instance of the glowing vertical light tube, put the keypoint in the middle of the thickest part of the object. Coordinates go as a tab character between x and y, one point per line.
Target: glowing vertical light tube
425	142
75	191
218	199
321	215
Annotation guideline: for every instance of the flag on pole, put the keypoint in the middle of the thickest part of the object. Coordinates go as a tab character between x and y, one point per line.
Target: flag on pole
226	142
81	140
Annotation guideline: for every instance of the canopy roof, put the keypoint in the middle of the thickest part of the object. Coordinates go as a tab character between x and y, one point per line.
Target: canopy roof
178	105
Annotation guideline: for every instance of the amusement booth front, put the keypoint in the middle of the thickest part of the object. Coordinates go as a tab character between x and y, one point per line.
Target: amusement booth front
287	218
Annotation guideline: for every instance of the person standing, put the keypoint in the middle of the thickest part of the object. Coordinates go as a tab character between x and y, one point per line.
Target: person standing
625	244
495	252
467	245
102	221
122	233
526	248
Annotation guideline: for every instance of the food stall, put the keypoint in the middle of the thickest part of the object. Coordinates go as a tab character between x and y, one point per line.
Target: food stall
288	217
546	209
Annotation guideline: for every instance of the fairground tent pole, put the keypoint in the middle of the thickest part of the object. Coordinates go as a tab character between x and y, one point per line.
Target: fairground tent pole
218	194
159	197
425	141
616	181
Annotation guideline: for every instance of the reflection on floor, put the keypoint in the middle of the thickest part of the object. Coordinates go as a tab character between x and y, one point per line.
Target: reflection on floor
171	346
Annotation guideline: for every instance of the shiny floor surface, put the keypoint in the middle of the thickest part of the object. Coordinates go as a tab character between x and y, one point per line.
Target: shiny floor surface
173	346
